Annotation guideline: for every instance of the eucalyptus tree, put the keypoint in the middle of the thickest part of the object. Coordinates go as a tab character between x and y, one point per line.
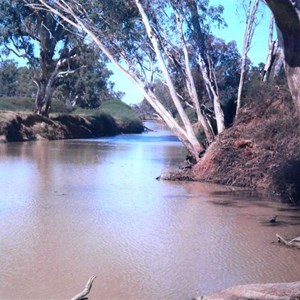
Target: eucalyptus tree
88	87
147	40
287	18
46	43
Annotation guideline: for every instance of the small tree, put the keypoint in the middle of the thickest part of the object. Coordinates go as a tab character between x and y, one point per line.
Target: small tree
88	87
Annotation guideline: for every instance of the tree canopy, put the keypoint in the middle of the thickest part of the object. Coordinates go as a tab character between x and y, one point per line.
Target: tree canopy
52	50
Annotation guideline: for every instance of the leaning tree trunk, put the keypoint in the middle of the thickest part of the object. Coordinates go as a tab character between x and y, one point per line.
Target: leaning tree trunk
287	17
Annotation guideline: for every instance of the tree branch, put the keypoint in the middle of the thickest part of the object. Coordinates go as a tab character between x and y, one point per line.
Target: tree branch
82	295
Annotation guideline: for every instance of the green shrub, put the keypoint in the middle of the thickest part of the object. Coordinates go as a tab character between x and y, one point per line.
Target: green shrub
59	107
27	104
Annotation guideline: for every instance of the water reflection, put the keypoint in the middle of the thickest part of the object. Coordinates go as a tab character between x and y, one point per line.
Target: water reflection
70	209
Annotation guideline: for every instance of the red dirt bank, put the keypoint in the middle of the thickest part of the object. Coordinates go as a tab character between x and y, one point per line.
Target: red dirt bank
261	150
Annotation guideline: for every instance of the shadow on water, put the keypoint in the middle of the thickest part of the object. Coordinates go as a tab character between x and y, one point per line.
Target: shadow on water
286	216
239	198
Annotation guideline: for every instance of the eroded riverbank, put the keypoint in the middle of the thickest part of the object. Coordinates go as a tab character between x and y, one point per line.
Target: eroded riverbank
18	126
260	151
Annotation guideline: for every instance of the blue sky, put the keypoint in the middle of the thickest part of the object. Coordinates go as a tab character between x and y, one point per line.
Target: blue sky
233	15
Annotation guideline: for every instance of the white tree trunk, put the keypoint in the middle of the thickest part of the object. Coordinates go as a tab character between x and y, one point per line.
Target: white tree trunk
187	123
191	87
210	81
248	34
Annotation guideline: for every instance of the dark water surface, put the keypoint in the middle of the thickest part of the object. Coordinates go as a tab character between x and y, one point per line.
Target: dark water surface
71	209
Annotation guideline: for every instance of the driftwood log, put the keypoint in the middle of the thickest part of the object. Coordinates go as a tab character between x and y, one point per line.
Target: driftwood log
291	243
83	294
270	291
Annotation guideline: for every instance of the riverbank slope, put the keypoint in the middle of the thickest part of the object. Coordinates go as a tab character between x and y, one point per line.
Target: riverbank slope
260	151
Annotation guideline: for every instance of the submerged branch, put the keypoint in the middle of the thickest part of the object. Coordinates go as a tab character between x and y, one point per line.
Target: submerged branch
83	294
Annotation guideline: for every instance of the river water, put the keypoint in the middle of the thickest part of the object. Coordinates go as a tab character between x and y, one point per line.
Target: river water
72	209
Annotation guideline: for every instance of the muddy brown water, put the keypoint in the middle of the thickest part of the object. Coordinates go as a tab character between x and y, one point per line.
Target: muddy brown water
71	209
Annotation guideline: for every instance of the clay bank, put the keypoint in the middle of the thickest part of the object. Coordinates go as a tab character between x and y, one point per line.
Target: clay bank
18	126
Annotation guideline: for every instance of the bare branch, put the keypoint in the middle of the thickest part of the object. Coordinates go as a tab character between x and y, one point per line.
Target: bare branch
82	295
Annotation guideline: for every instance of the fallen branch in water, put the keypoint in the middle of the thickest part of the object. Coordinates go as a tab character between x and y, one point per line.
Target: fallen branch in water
83	294
292	243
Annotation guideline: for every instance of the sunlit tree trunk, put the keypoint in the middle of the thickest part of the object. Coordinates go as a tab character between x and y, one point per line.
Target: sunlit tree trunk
210	82
206	67
191	87
191	136
47	82
275	59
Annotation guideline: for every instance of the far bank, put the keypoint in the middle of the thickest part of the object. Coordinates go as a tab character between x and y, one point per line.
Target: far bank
114	118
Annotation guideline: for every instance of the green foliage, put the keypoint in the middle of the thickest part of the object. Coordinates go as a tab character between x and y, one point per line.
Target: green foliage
89	86
52	49
118	109
16	104
25	86
27	104
16	81
8	78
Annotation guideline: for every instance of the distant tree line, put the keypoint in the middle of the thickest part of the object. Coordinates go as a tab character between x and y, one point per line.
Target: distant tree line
15	81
